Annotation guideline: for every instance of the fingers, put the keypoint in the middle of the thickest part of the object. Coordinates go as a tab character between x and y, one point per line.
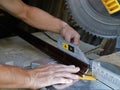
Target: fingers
70	34
67	75
69	69
67	37
53	74
74	37
63	86
61	80
61	83
76	40
58	68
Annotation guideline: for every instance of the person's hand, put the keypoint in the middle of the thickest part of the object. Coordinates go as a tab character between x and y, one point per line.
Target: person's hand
63	86
52	74
69	34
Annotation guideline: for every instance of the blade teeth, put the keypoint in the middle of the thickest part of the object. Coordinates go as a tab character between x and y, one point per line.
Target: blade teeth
91	33
85	28
73	22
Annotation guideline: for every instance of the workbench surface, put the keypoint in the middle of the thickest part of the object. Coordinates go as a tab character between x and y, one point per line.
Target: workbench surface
15	51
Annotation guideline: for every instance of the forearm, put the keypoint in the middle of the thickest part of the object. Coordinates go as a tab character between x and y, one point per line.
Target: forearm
13	77
32	15
42	20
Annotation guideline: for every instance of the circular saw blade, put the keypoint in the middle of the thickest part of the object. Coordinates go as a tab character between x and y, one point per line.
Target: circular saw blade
92	16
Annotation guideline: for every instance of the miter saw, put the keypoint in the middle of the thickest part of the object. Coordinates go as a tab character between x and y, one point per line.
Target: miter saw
96	17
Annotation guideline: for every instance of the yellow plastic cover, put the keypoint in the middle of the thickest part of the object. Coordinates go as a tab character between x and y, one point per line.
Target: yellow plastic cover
112	6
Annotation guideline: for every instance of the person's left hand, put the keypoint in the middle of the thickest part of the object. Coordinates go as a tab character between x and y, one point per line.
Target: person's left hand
69	34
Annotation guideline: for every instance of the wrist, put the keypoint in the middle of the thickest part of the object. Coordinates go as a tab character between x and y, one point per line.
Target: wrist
13	77
22	78
31	83
27	80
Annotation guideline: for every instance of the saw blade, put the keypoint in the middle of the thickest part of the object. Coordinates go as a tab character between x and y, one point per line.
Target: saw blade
92	16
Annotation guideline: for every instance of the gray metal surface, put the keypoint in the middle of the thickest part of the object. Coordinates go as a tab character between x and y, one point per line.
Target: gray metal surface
107	73
92	16
85	85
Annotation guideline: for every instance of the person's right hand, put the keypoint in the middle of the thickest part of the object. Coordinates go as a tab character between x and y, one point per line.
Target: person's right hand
52	74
